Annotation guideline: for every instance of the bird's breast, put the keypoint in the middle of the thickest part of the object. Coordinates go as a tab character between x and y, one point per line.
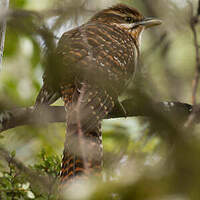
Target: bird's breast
111	49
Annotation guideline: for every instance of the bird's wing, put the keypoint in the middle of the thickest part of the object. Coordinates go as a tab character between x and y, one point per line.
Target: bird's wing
49	93
88	52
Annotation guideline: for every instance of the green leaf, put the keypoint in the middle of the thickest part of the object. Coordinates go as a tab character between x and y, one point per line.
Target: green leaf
13	153
17	3
11	43
35	59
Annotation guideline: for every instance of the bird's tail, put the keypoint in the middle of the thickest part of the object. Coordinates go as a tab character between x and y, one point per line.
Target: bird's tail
82	160
85	108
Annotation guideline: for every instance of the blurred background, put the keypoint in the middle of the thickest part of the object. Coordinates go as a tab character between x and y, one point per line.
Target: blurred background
139	162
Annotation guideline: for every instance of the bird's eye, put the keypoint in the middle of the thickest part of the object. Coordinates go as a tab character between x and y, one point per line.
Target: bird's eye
129	19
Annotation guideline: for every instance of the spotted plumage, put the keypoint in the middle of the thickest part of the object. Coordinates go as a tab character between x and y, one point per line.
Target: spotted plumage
96	61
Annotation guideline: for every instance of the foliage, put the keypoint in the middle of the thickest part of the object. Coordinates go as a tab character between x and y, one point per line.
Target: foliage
14	184
143	158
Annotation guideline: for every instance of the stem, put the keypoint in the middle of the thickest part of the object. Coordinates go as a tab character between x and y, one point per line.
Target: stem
4	4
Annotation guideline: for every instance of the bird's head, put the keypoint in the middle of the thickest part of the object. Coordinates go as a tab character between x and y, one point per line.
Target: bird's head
126	18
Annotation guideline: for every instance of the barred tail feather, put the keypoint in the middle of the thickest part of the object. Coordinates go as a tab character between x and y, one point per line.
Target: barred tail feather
83	152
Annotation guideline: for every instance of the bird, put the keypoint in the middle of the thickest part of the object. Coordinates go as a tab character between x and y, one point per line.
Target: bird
95	63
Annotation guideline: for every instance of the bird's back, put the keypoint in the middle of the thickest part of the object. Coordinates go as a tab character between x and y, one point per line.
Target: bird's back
97	52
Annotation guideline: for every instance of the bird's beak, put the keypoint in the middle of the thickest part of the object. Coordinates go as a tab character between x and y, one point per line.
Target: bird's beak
149	22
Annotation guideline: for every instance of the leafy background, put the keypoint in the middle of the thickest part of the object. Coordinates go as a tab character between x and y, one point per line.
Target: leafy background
139	163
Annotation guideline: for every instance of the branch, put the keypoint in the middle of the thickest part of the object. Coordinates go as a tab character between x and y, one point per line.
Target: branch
51	114
198	11
4	4
193	23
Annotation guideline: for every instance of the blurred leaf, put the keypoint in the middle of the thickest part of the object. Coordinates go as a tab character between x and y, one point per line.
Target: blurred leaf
35	59
17	3
11	43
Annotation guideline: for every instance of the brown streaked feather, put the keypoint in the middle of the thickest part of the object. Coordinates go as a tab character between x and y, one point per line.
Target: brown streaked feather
83	55
97	59
85	113
117	13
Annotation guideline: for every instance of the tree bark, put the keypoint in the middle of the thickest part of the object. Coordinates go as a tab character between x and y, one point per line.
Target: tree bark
52	114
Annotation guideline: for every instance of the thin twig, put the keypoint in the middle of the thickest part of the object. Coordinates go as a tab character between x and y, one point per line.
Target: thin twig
80	129
193	23
4	4
32	176
198	11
